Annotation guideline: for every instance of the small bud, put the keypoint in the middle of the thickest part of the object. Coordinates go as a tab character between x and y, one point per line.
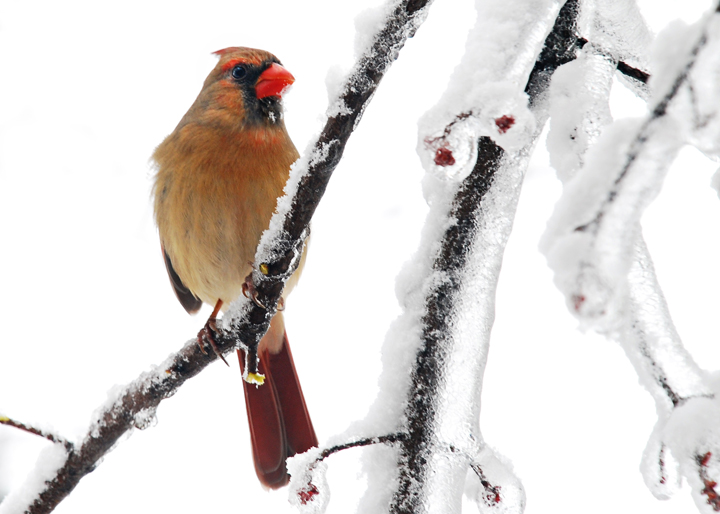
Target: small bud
444	157
307	494
504	123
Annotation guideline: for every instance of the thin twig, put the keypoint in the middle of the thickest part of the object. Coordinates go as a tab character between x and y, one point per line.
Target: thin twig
4	420
644	136
622	66
383	439
633	73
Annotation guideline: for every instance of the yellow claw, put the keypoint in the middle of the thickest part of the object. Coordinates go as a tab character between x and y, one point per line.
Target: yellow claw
255	378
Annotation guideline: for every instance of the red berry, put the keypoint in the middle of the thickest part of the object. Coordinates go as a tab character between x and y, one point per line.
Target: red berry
504	123
444	157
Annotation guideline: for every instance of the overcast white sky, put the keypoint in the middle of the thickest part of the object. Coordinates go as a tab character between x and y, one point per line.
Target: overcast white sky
87	90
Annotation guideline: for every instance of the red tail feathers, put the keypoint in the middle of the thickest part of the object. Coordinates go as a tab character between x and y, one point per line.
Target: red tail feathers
280	424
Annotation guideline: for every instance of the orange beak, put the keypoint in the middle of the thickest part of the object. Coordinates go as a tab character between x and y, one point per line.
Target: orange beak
273	81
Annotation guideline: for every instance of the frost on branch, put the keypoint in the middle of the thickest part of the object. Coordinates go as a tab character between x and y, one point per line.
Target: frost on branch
589	240
579	108
280	246
308	490
618	31
448	291
49	463
434	358
486	94
590	237
594	241
493	486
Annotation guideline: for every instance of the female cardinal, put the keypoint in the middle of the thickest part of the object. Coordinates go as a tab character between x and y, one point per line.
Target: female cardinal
219	175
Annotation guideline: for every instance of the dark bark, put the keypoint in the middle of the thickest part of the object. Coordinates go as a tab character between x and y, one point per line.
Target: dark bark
561	46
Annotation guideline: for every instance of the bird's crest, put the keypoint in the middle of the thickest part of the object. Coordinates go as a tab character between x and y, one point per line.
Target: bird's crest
224	51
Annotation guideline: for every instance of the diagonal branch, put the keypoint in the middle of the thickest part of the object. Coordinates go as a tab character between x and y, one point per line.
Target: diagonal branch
279	251
136	403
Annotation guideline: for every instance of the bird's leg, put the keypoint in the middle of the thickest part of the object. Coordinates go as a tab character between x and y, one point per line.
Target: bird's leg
249	292
207	333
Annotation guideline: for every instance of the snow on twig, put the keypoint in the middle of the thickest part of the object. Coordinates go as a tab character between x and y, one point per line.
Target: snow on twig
618	30
308	488
50	436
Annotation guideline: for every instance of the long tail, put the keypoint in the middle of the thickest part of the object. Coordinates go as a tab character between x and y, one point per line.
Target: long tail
280	424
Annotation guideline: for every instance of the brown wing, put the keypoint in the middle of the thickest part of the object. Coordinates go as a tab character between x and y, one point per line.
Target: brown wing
188	300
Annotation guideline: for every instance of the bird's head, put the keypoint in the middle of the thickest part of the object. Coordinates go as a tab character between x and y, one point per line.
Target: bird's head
246	87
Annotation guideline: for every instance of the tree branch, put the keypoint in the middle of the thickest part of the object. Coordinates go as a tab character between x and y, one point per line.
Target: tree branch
131	408
443	301
279	257
137	402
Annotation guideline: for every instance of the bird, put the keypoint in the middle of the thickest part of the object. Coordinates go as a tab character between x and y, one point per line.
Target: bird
218	177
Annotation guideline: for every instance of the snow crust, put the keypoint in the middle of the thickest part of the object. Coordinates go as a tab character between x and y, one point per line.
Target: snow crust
699	108
590	237
492	74
308	491
618	28
497	84
579	109
500	483
689	437
487	86
611	171
50	460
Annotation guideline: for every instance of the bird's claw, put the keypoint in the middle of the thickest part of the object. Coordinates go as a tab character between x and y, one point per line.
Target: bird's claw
207	334
249	292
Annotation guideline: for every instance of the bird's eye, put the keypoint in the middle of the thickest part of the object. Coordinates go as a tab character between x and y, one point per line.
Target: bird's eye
239	72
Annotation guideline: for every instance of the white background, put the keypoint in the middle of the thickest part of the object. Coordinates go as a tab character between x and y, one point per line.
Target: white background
88	89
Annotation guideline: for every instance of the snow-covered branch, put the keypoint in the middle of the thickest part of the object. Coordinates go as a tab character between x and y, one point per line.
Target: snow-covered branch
430	395
280	248
456	301
133	406
589	242
595	245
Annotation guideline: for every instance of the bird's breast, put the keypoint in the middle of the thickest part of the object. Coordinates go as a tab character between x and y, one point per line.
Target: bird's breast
215	195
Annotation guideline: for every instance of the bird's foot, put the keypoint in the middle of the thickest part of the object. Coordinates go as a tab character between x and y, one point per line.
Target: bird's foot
249	292
208	333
